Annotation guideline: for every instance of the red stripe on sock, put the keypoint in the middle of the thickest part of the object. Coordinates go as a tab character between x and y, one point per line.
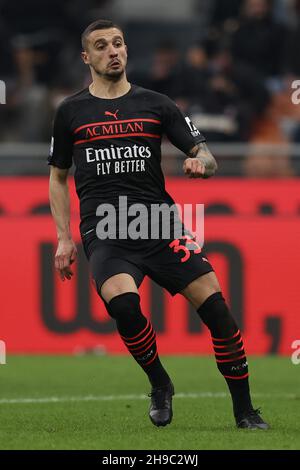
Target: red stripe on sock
226	339
140	340
236	378
144	350
231	360
151	360
229	345
134	350
228	353
134	337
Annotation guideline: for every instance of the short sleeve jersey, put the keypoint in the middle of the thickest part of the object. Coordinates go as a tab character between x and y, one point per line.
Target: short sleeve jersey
115	145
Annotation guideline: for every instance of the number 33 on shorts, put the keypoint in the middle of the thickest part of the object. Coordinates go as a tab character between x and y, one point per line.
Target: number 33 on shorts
175	245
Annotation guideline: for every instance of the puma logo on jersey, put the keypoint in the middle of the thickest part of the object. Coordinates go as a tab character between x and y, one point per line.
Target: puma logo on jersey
108	113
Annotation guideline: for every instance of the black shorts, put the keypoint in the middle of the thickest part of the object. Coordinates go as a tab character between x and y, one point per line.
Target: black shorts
172	267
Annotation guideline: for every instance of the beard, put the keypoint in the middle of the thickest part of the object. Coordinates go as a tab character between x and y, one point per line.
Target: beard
110	75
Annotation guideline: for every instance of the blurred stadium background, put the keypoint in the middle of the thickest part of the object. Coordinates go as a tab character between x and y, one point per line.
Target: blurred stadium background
230	66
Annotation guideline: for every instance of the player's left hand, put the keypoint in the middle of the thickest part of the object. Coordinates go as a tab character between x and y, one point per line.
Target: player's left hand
194	168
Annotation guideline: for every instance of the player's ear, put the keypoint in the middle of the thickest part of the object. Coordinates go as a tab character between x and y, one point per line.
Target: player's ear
85	57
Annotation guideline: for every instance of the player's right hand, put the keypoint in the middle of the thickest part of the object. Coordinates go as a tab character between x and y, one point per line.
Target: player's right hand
65	255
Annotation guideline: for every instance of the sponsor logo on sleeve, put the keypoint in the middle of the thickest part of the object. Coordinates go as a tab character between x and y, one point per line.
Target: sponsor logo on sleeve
51	146
193	129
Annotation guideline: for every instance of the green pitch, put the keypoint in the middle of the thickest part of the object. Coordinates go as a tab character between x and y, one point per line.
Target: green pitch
89	402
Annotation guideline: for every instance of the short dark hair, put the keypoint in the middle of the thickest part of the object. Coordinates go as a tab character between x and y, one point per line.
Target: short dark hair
98	24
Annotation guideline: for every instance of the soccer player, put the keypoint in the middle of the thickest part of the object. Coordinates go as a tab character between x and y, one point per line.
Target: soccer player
112	132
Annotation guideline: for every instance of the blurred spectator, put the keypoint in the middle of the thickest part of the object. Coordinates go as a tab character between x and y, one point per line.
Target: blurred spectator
28	104
248	81
278	126
223	96
224	13
6	62
194	73
292	51
164	73
259	40
30	16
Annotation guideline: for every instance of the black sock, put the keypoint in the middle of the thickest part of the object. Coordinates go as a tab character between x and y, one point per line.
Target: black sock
138	336
229	350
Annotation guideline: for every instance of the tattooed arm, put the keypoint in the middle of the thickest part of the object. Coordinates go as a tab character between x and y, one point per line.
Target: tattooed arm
201	163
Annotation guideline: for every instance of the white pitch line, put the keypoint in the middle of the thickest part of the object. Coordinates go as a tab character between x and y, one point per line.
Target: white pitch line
8	401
